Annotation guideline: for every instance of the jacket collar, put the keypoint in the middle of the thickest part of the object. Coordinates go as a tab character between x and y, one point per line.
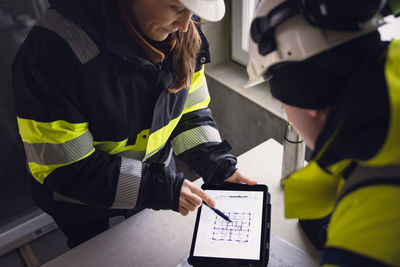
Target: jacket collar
356	128
102	21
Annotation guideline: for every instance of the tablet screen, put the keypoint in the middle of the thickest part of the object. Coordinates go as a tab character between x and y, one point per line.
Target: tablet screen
239	239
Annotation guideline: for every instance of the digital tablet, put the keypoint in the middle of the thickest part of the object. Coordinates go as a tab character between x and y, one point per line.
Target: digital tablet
244	240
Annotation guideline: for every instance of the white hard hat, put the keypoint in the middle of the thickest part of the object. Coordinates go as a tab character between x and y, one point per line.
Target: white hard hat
211	10
284	32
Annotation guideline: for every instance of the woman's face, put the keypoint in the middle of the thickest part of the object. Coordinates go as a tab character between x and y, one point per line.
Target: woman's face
159	18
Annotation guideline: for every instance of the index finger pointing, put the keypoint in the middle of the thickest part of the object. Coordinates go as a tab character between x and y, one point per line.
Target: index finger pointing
204	196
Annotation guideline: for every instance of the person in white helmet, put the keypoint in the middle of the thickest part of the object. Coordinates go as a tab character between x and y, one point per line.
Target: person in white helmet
105	91
340	87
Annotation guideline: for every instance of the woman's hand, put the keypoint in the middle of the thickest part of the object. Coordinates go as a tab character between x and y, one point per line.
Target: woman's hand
191	197
239	178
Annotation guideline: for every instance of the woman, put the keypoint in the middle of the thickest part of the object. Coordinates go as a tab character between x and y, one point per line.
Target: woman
104	92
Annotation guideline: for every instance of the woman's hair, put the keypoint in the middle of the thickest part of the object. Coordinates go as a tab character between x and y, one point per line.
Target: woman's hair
184	58
185	49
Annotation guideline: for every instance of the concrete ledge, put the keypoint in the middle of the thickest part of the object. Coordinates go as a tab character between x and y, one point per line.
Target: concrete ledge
37	225
245	117
234	76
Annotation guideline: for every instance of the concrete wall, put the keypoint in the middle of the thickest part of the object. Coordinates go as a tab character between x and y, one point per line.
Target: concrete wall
240	121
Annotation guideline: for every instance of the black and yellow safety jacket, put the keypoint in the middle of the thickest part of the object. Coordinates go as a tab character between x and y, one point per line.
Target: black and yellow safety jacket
355	171
97	119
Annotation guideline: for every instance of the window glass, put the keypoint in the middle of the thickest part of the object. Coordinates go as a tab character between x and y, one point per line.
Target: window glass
242	14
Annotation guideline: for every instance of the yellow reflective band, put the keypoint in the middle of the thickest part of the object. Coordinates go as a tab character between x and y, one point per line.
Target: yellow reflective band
110	147
198	97
118	147
40	172
50	145
310	192
55	132
197	80
390	151
51	154
201	105
366	221
158	139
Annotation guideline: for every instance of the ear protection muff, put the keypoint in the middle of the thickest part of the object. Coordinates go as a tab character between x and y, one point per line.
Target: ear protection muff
339	15
262	29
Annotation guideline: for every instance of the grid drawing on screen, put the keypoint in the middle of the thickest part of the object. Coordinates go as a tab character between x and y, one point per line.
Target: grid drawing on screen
238	239
236	231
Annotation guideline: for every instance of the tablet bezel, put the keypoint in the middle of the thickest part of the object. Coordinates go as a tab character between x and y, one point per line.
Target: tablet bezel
265	229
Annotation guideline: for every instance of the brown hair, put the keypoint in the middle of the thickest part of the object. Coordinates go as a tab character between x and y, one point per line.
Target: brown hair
186	46
185	54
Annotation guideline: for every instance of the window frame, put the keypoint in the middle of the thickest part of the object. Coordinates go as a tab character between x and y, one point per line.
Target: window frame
242	14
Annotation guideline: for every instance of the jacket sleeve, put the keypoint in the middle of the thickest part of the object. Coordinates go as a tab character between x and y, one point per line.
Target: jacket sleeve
196	139
58	141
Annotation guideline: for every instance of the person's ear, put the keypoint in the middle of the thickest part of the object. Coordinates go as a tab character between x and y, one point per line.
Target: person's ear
313	113
318	113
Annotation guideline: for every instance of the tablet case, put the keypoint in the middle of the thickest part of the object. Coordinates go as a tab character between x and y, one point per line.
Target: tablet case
231	262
